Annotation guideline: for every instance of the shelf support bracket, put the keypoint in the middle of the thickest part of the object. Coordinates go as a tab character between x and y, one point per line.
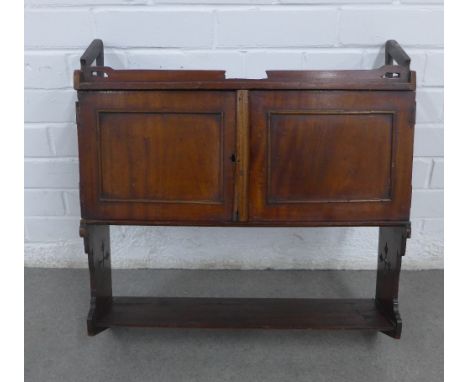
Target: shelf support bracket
97	245
392	246
394	52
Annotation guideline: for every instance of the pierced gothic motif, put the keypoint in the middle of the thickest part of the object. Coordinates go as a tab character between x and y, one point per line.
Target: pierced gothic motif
105	256
384	259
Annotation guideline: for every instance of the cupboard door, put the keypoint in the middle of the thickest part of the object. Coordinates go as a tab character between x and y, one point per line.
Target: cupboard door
157	156
330	156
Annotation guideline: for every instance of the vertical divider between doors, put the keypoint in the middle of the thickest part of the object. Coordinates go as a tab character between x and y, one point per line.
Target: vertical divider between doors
240	210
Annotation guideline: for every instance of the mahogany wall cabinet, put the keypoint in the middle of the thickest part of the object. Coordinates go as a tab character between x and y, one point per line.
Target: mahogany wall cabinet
298	148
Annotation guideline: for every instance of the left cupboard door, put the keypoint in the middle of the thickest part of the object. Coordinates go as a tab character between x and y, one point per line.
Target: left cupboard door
156	156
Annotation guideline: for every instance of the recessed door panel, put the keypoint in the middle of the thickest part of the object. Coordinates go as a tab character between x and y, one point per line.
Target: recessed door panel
158	156
330	156
312	157
161	157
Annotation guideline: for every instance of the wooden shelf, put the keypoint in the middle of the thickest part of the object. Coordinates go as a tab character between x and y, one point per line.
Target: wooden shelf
268	313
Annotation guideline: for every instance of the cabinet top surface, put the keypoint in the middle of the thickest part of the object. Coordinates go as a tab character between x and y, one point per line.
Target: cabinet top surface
387	77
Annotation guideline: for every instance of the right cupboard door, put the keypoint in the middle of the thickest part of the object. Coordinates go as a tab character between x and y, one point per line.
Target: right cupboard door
330	156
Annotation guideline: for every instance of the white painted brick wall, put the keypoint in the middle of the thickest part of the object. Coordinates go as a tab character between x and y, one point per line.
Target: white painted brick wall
51	173
434	71
36	141
48	229
44	70
422	26
162	28
427	204
429	101
278	27
56	28
421	172
64	140
43	203
428	140
244	37
437	178
49	105
257	61
335	59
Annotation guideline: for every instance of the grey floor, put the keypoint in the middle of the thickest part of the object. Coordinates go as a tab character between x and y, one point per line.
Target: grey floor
57	348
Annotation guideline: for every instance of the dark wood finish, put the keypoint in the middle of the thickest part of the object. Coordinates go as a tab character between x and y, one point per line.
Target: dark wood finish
205	223
236	313
392	246
157	155
339	156
389	77
336	172
298	148
242	157
394	52
140	157
136	170
94	53
97	246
